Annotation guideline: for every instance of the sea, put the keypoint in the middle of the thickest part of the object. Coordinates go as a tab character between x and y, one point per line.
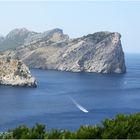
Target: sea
67	100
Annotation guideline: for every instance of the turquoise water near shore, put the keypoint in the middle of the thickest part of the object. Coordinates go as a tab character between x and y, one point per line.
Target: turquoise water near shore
50	103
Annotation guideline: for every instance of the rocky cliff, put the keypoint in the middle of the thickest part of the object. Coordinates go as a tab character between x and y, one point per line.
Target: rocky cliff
15	73
100	52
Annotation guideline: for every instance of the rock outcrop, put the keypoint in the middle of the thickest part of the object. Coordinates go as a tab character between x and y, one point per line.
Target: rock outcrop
15	73
100	52
15	38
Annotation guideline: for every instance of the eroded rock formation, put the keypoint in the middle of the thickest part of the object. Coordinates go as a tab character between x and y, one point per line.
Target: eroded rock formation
15	73
100	52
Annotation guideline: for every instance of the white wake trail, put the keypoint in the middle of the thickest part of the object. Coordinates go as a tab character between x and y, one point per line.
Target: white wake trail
79	106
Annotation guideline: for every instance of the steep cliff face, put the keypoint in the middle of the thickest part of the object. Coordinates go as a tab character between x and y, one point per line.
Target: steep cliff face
15	73
100	52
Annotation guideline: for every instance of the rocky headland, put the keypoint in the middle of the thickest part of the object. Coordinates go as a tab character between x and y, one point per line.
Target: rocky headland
100	52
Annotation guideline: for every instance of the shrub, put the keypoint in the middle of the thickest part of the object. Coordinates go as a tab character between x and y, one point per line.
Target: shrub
121	127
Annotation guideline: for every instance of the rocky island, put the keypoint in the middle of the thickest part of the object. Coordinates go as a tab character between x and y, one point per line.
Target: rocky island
100	52
15	73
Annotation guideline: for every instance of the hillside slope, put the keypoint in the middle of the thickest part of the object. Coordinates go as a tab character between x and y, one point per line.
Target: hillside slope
100	52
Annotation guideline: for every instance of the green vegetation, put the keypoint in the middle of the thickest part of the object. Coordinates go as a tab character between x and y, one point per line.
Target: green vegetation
20	71
121	127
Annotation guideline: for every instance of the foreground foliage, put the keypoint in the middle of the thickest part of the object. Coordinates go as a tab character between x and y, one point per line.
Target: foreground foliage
121	127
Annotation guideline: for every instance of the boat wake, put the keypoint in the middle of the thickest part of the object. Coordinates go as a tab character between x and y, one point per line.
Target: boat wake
79	106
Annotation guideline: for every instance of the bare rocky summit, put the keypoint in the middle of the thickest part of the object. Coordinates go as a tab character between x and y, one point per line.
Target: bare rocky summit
15	73
100	52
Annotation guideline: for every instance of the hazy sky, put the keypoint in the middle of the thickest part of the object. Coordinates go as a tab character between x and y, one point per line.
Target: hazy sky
75	18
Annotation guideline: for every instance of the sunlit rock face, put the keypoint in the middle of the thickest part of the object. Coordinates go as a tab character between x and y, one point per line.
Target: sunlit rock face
15	73
100	52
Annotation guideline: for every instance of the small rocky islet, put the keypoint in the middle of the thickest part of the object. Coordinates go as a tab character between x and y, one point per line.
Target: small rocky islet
15	73
100	52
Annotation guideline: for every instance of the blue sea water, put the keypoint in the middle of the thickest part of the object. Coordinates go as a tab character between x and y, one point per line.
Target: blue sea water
50	103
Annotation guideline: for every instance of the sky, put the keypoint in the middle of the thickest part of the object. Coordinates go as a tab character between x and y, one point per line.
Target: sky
76	18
